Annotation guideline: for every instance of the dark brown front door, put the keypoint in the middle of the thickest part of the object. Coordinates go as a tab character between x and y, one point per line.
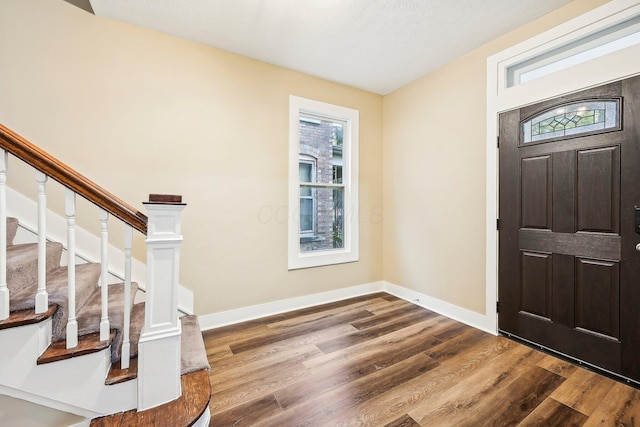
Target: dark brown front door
569	271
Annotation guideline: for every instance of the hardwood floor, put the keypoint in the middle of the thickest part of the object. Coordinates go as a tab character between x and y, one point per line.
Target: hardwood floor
377	360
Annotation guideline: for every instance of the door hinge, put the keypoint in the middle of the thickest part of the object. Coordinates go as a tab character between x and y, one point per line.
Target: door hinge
498	224
497	306
497	142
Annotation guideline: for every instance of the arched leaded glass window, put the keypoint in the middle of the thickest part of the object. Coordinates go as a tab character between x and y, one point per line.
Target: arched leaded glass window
591	116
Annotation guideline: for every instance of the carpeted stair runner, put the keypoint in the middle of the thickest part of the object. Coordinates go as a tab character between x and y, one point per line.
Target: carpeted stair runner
90	314
22	264
194	353
86	281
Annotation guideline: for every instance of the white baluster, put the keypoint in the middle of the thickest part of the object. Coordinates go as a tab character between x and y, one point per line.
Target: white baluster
4	290
42	297
104	279
126	346
72	323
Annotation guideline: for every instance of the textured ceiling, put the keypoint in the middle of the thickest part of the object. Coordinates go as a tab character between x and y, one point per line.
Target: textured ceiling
376	45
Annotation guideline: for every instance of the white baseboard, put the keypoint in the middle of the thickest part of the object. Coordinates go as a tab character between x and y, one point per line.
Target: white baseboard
216	320
87	244
468	317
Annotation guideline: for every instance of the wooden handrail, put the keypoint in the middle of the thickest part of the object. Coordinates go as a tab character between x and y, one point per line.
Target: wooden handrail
70	178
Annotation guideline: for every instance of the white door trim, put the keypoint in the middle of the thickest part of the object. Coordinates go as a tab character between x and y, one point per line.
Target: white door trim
614	66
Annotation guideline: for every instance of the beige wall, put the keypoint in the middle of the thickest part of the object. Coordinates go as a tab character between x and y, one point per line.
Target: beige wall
140	112
435	173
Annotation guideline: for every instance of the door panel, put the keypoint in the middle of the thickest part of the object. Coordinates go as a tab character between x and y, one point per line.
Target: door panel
535	284
564	191
564	289
599	190
569	274
536	192
598	297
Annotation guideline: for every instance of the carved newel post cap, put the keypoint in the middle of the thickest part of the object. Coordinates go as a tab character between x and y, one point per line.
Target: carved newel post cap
165	199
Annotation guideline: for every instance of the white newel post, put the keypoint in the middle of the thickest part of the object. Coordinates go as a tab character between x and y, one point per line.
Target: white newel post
159	346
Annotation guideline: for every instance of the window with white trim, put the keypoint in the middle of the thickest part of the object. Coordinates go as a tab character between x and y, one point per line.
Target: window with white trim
580	50
323	184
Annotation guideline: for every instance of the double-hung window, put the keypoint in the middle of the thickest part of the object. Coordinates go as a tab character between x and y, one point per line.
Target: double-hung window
323	184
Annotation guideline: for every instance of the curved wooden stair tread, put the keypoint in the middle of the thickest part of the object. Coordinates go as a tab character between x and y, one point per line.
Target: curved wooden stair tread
87	344
182	412
26	317
117	375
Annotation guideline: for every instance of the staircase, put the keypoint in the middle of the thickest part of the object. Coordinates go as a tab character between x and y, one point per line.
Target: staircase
73	341
22	277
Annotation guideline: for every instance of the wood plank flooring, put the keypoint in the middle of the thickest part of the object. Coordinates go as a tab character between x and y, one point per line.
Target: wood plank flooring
377	360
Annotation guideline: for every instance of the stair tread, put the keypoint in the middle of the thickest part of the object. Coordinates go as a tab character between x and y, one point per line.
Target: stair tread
57	290
194	353
87	344
89	316
89	327
118	375
56	283
136	322
26	317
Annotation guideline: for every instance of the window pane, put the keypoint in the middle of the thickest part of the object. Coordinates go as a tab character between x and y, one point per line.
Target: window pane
328	214
306	215
322	140
572	119
591	46
338	133
337	174
306	175
305	172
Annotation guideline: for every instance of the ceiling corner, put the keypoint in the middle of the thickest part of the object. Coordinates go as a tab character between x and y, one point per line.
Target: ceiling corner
82	4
